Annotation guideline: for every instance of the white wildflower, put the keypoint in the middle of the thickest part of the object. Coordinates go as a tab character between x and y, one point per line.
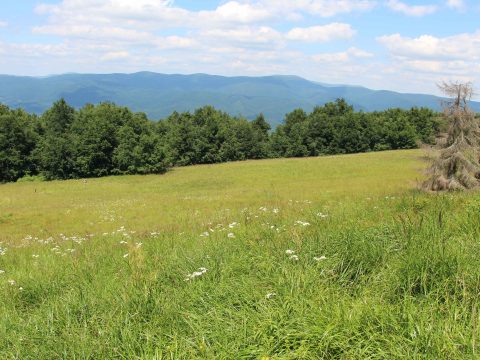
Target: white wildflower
2	272
125	256
232	225
35	256
321	258
231	235
205	234
275	210
294	257
201	271
11	282
289	252
302	223
322	216
270	295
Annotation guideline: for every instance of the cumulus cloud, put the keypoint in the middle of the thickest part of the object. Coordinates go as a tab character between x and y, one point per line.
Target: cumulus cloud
462	46
433	59
247	35
411	10
322	8
238	12
115	55
342	57
164	13
322	33
136	30
456	4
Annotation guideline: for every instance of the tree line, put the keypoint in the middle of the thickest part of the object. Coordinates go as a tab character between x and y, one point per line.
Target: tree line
106	139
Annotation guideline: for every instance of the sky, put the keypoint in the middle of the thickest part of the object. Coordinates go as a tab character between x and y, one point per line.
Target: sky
400	45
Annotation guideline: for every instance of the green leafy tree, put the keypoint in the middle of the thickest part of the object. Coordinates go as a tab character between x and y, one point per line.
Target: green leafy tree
17	144
261	129
94	132
139	149
56	150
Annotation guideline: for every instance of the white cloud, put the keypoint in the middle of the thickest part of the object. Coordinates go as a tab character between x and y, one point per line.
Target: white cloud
322	33
331	57
137	28
433	59
411	10
238	12
456	4
115	55
88	31
151	13
359	53
244	34
3	24
342	57
164	13
321	8
458	47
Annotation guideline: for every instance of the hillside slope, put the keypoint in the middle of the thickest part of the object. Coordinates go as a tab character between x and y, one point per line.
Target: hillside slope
317	258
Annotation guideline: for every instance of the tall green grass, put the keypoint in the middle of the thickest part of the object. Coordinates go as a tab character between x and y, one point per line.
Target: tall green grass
382	272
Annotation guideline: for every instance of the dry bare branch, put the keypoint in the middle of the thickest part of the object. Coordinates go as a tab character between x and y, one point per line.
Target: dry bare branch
458	165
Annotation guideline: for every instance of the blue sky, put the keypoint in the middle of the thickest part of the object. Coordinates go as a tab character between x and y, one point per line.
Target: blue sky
403	45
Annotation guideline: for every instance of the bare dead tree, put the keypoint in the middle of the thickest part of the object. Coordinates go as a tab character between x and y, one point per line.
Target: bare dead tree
458	165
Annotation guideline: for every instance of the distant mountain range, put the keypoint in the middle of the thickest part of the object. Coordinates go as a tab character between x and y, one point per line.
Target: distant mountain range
159	95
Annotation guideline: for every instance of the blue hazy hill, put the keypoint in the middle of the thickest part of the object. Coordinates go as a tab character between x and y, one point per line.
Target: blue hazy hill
159	95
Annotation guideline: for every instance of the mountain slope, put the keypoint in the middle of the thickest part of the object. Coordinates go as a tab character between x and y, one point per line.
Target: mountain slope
159	95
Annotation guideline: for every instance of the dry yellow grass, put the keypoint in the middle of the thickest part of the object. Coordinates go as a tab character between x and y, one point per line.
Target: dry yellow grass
187	197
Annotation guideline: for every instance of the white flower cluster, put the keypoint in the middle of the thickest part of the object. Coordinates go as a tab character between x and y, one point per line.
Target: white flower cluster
292	255
295	257
201	271
322	215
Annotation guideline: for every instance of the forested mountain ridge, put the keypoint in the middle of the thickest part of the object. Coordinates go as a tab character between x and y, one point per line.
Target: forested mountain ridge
158	95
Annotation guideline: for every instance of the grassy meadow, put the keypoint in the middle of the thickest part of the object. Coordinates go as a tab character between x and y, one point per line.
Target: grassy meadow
318	258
